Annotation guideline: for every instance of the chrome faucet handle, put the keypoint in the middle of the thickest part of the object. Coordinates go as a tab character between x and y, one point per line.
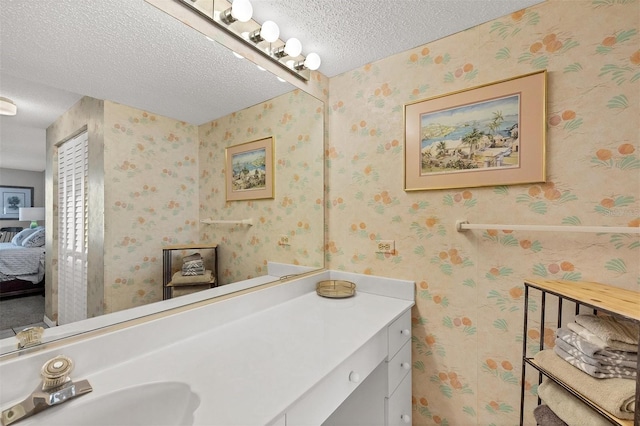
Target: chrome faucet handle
55	372
30	336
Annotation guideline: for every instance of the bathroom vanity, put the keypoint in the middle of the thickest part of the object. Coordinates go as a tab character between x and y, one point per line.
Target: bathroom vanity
280	355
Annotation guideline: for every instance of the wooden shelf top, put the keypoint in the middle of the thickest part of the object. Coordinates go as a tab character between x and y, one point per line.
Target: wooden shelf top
190	246
600	296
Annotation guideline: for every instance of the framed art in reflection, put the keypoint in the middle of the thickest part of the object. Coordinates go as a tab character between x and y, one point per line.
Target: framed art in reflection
12	198
250	172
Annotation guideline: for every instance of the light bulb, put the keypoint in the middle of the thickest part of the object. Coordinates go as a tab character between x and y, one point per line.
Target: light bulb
312	62
270	31
7	107
293	47
241	10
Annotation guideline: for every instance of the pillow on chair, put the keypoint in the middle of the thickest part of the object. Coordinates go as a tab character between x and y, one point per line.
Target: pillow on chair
35	240
19	238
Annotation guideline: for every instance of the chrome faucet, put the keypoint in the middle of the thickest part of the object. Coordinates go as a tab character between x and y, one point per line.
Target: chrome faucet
56	388
30	336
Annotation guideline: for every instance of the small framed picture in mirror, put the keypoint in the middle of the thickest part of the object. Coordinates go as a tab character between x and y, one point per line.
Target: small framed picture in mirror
12	198
249	170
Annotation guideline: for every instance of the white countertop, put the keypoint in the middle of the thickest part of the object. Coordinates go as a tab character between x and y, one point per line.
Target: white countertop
250	370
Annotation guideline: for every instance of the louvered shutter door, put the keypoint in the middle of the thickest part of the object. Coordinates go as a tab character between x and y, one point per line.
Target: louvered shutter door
72	229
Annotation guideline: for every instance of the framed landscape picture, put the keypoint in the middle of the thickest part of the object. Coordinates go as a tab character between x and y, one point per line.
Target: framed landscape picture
12	198
484	136
250	173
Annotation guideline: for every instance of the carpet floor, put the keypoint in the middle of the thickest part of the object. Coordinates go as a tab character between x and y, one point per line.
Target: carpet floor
21	311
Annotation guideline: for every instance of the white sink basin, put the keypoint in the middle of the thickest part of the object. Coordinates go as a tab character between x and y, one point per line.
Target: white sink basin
162	403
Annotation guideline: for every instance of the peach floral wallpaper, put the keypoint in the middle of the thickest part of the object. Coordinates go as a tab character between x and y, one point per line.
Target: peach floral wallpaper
467	323
161	177
147	174
151	181
295	121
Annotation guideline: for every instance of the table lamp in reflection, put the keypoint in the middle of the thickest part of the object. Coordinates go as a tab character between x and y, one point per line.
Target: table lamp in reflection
33	214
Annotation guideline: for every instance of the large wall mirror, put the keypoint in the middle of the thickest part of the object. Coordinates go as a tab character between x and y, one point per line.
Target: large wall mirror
157	149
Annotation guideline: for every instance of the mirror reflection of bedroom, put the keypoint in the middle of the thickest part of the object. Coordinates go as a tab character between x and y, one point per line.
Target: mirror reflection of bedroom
22	250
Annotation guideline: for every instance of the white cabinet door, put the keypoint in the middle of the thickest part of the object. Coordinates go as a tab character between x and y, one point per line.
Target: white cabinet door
399	404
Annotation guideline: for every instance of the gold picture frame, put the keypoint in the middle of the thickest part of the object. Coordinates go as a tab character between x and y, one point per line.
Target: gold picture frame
489	135
249	170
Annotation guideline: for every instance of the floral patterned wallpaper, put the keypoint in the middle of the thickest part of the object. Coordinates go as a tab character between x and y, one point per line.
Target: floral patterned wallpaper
146	177
142	192
151	190
467	323
295	121
157	168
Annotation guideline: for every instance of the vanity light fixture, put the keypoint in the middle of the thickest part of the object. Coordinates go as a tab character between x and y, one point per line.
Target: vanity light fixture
234	18
240	10
292	48
312	62
7	107
269	31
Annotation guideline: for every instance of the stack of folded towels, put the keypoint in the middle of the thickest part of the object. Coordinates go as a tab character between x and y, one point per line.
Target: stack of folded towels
193	265
604	351
192	277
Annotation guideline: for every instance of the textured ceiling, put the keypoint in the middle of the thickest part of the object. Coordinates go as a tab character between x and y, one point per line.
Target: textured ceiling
127	51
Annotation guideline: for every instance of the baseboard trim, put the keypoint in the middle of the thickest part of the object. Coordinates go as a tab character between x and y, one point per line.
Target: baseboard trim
49	322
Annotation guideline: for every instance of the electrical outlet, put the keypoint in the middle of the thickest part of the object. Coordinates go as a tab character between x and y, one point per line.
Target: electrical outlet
284	240
385	246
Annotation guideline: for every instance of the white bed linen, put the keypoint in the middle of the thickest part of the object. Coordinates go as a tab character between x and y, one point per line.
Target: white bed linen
25	263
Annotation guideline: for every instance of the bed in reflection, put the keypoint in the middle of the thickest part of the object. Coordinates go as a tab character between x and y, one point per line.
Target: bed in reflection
22	264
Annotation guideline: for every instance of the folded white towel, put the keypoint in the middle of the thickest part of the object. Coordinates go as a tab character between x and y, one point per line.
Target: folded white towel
598	371
194	256
617	396
617	333
592	338
589	350
567	407
193	263
179	280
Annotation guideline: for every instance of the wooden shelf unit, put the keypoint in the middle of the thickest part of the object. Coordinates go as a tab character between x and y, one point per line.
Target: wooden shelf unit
167	272
596	296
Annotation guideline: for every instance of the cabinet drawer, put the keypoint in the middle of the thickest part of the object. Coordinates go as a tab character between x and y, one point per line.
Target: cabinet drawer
398	367
398	405
366	405
399	333
318	404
